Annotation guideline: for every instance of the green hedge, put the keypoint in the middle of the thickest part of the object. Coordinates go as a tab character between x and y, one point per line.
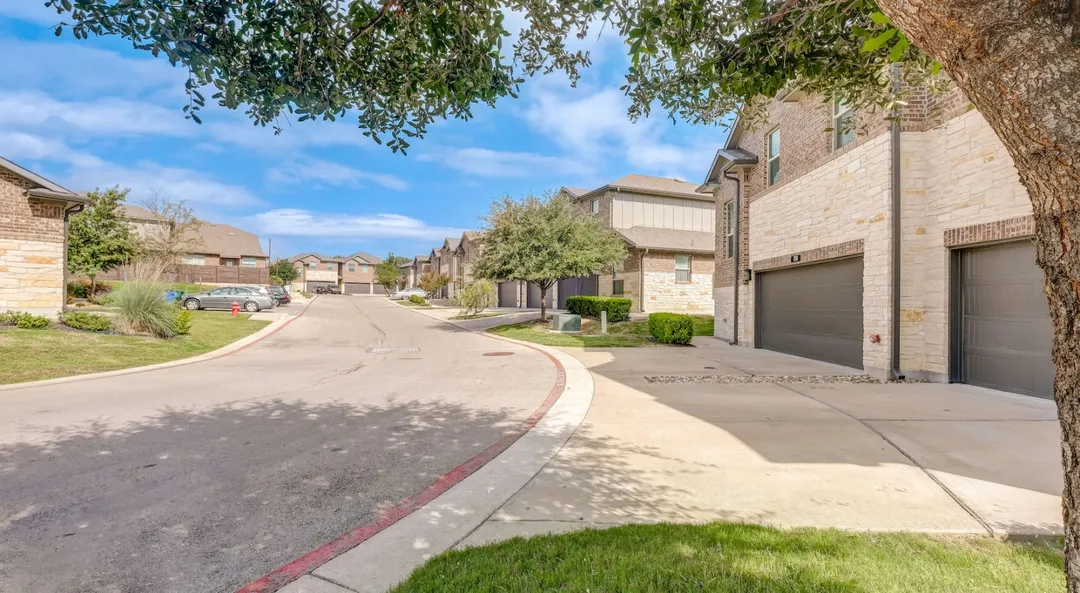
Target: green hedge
86	321
671	328
591	306
417	299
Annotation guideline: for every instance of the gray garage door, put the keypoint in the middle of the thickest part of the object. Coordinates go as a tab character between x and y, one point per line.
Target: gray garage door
311	286
813	311
1005	329
357	288
582	286
533	297
508	294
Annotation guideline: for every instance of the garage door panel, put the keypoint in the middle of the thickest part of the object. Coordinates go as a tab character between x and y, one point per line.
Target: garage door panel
813	311
1005	328
508	292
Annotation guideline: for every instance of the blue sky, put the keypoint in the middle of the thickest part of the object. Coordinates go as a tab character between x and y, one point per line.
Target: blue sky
96	113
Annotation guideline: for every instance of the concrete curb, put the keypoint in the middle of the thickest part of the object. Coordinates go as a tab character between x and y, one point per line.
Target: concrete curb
386	552
220	352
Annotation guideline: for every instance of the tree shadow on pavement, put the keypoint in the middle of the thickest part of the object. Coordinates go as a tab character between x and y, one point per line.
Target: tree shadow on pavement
205	501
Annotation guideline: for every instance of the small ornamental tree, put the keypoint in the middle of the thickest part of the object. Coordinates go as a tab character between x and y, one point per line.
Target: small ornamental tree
543	239
432	283
285	270
99	238
174	233
388	272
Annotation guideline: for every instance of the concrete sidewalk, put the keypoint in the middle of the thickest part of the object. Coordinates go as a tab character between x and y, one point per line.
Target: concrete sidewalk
830	453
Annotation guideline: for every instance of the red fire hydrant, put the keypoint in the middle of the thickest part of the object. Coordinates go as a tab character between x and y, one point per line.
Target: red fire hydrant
235	308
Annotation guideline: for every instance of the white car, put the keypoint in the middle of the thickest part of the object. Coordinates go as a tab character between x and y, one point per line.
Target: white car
403	295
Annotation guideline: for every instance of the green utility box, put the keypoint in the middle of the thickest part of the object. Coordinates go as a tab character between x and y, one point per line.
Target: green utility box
566	323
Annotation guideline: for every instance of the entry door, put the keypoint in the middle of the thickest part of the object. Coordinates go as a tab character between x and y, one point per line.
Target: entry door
814	311
1005	332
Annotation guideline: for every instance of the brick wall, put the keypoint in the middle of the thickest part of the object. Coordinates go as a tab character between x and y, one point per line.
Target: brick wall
358	274
31	249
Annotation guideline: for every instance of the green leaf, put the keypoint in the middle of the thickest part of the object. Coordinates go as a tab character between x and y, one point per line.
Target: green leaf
875	43
935	68
880	18
899	48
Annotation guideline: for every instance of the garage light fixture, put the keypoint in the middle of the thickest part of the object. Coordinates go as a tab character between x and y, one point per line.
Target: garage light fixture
749	275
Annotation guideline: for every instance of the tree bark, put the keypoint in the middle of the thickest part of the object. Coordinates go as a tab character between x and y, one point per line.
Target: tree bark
543	301
1018	63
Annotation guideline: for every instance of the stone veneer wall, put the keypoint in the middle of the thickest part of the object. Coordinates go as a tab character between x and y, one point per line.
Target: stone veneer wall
31	249
662	294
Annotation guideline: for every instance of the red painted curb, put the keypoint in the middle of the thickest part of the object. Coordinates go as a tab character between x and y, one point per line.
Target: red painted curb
350	539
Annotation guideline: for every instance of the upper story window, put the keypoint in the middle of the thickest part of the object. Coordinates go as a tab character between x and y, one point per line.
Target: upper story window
682	268
772	149
352	267
843	124
248	262
312	265
330	267
363	268
595	207
729	228
194	260
228	263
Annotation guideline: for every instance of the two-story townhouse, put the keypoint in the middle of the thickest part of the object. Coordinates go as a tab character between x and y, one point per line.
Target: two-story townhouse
669	230
471	243
352	274
421	266
33	240
848	236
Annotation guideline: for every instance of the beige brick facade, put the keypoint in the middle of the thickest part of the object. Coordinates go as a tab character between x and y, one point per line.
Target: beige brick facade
31	249
959	187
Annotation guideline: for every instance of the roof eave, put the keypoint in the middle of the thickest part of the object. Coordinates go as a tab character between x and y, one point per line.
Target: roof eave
57	196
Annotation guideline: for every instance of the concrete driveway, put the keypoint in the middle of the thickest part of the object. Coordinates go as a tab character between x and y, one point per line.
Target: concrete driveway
203	477
717	432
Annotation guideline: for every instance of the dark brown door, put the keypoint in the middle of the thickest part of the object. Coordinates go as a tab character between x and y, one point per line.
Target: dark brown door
508	294
814	311
1005	329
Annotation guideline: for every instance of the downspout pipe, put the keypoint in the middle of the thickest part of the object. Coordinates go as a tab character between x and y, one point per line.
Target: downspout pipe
895	189
737	269
77	208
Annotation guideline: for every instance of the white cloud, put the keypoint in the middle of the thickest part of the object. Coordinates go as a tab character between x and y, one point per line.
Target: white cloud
305	223
85	171
309	169
493	163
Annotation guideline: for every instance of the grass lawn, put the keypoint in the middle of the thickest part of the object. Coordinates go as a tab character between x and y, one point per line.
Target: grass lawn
412	305
734	558
625	334
477	316
30	355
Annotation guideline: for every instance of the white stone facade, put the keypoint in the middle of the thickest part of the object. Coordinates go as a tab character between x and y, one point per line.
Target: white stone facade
31	276
953	176
663	294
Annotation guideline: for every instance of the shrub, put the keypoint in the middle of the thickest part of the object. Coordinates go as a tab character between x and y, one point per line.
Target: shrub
86	321
417	300
29	321
183	322
591	306
671	328
142	309
476	296
79	289
106	299
275	281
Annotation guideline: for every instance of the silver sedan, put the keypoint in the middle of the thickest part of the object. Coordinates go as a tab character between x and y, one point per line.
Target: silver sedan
249	297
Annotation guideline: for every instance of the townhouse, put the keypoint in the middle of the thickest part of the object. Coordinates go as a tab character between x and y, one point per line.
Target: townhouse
898	247
353	274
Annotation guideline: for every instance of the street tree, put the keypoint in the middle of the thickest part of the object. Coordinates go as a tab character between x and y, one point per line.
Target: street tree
401	64
543	239
388	272
99	238
173	234
285	270
432	282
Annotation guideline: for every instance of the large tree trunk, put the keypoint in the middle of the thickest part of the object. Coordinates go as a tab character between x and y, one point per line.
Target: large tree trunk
543	301
1018	61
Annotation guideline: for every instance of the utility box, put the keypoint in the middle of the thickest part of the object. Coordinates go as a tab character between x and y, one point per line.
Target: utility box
565	322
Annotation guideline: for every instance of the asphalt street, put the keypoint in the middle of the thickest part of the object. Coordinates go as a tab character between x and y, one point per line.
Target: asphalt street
203	477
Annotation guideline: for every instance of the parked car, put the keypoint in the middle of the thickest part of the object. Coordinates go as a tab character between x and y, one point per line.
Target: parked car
281	296
249	297
332	289
403	295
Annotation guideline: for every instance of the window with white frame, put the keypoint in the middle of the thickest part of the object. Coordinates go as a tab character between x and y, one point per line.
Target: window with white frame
682	268
194	260
228	262
363	268
595	207
843	124
248	262
330	267
352	266
312	265
772	149
729	228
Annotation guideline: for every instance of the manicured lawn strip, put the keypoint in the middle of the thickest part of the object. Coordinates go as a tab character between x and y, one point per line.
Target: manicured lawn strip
412	305
31	355
626	334
735	558
477	316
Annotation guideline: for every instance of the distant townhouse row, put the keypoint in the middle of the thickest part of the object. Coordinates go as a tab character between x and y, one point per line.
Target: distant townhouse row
353	274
